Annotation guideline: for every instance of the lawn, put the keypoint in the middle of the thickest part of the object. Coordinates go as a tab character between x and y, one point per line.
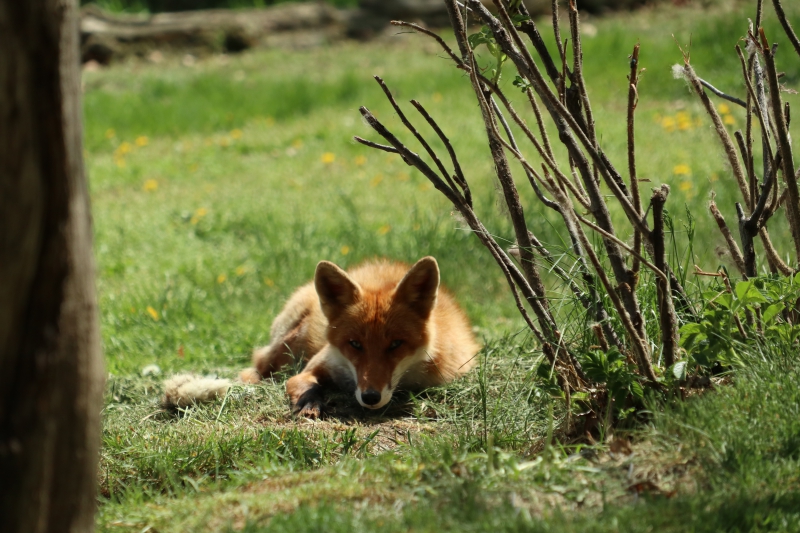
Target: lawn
217	187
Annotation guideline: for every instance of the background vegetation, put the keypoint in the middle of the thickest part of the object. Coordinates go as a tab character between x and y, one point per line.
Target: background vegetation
217	187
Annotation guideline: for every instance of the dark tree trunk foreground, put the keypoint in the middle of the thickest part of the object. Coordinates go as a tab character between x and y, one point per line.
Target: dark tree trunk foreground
51	375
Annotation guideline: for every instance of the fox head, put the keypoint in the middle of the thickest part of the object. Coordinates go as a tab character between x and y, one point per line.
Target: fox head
380	330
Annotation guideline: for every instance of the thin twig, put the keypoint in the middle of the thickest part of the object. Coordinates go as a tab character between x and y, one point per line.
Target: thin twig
375	145
733	248
732	99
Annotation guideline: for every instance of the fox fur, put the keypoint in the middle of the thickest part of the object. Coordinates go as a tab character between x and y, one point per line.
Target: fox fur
373	329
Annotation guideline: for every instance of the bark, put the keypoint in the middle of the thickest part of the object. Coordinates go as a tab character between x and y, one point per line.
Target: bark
51	375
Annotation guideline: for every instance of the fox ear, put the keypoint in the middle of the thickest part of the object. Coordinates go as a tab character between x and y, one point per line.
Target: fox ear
419	287
336	290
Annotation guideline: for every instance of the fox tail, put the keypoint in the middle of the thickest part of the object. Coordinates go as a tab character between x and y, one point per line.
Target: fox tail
183	390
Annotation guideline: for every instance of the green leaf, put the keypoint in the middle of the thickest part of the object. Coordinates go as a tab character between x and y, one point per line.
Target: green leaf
691	327
771	311
679	370
636	390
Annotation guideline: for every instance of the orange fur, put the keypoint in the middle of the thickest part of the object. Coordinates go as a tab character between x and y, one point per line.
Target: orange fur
377	327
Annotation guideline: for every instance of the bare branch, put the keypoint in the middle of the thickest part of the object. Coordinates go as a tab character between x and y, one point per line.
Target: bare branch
733	248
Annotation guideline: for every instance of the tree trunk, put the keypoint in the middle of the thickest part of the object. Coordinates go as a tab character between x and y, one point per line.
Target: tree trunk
51	375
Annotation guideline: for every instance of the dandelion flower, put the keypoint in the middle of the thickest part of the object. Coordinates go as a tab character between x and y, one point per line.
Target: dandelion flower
681	170
376	180
360	160
424	186
668	123
345	250
110	133
383	230
723	108
685	186
297	144
268	282
150	185
403	176
328	158
729	120
141	140
124	148
241	270
119	161
437	97
152	312
198	215
236	134
221	278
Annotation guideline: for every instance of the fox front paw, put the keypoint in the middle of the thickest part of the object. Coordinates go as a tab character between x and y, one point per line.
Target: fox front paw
309	405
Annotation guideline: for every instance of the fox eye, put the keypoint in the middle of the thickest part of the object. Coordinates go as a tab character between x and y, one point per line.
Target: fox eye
395	344
357	345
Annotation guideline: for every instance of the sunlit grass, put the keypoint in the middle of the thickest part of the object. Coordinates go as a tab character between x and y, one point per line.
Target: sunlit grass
217	188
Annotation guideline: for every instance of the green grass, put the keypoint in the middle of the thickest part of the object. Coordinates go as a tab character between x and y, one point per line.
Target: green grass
217	188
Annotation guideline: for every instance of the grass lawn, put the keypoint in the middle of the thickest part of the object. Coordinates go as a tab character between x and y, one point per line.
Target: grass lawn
216	189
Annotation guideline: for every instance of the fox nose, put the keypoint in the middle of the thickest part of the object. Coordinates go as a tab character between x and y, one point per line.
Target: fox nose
370	396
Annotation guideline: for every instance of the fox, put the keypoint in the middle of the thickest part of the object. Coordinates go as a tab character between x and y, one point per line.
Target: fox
372	330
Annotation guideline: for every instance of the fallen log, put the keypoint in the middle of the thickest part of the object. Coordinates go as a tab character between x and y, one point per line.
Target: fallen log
105	36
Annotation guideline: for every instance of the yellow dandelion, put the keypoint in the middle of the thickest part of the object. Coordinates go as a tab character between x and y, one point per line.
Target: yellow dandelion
124	148
345	250
383	230
142	140
328	157
424	186
297	144
221	278
681	170
360	160
236	134
685	186
133	309
684	124
403	176
241	270
110	133
119	161
437	97
714	177
150	185
376	180
268	282
682	115
723	108
152	312
729	120
198	215
668	123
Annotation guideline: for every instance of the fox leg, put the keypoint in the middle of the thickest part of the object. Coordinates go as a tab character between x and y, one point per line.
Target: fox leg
305	389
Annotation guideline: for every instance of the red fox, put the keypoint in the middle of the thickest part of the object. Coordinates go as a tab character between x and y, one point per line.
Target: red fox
377	327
